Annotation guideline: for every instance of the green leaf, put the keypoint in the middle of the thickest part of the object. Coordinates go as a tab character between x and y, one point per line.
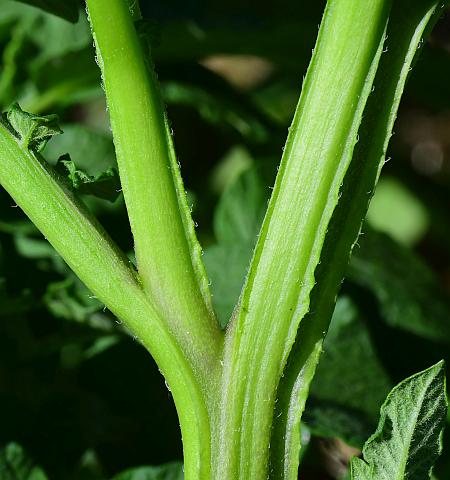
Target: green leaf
347	344
231	166
344	401
43	59
67	298
170	471
67	9
239	214
15	53
55	38
62	81
330	420
33	131
226	266
104	185
16	465
408	293
89	467
71	300
218	106
237	219
90	149
395	210
408	438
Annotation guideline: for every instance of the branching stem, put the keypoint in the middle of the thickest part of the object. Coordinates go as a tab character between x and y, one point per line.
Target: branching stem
226	385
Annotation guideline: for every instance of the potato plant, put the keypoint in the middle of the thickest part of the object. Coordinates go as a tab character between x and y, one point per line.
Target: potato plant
240	384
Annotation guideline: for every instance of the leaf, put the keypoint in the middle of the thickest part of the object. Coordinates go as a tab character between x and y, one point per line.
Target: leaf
90	149
33	131
408	293
104	185
236	223
395	210
217	105
55	38
239	214
169	471
71	300
227	266
14	55
66	298
329	420
16	465
348	343
89	467
60	82
344	401
67	9
408	438
43	51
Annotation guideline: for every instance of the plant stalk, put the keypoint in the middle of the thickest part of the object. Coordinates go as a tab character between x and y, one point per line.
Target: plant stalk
404	36
105	270
167	252
276	295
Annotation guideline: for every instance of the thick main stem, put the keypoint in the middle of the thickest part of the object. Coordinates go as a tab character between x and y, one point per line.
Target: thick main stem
277	291
403	36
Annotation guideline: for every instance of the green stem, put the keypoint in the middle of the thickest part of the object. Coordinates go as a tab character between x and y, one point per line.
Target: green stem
227	414
92	255
281	277
404	35
167	252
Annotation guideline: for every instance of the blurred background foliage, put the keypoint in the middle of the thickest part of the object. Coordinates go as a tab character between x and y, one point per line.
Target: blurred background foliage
79	397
